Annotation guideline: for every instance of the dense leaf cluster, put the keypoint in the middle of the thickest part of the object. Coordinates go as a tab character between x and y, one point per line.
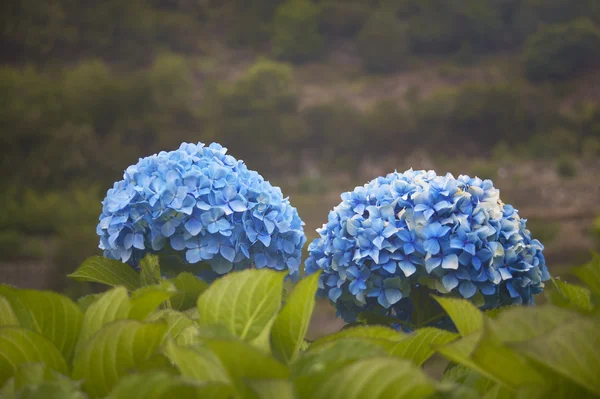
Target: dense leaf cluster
150	337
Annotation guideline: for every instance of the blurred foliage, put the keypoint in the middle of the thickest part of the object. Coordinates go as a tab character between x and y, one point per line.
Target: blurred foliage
296	34
383	44
566	167
558	52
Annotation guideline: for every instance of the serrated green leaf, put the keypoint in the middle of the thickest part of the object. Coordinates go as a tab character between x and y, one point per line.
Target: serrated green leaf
160	385
54	316
20	346
589	274
334	355
571	296
197	363
110	306
189	288
150	270
272	389
292	322
419	346
98	269
195	334
375	378
465	316
571	350
37	381
148	298
373	332
115	350
7	315
245	302
176	321
85	301
243	361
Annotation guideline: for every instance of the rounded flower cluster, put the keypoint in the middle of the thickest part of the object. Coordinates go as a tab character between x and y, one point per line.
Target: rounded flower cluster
451	235
205	205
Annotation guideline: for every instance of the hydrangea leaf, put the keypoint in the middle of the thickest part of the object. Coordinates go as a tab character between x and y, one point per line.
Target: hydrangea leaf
37	381
291	323
150	270
465	316
571	296
571	350
272	389
244	361
589	274
189	288
7	315
419	346
176	321
196	363
148	298
98	269
85	301
161	385
113	352
21	346
373	332
375	378
53	315
110	306
245	302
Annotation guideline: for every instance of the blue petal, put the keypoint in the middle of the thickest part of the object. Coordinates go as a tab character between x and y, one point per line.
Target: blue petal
467	289
450	262
193	226
449	281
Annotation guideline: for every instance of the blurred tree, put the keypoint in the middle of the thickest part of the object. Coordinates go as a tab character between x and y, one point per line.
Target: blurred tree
343	18
296	35
557	52
383	44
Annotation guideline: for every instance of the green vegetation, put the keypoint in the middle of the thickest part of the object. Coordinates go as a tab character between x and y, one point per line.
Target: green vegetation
153	337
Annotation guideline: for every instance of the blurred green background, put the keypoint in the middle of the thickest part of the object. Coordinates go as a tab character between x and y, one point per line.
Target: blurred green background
317	95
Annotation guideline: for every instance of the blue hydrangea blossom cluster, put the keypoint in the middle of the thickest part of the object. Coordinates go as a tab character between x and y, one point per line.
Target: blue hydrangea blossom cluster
451	235
205	205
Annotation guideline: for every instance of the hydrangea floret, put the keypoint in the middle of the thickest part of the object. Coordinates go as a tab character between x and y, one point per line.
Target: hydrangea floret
204	205
417	229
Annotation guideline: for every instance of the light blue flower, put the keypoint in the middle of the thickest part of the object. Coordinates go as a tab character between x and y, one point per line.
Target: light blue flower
409	229
204	204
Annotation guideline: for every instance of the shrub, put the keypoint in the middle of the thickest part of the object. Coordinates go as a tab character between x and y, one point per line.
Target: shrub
296	34
558	142
388	128
151	337
558	52
343	18
383	44
566	167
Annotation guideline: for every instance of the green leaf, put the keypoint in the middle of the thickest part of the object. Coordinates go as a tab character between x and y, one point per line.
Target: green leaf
571	350
193	335
243	361
115	350
37	381
176	321
589	274
332	356
245	302
466	317
150	270
419	346
160	385
110	306
292	322
197	363
85	301
375	378
272	389
373	332
54	316
189	288
98	269
148	298
20	346
7	315
570	296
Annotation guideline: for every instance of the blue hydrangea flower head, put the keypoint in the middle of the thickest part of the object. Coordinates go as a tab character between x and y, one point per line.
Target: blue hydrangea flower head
452	236
205	206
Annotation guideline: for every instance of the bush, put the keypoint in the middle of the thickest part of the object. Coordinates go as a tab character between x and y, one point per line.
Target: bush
383	44
558	52
566	167
343	18
163	338
296	34
388	129
554	144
